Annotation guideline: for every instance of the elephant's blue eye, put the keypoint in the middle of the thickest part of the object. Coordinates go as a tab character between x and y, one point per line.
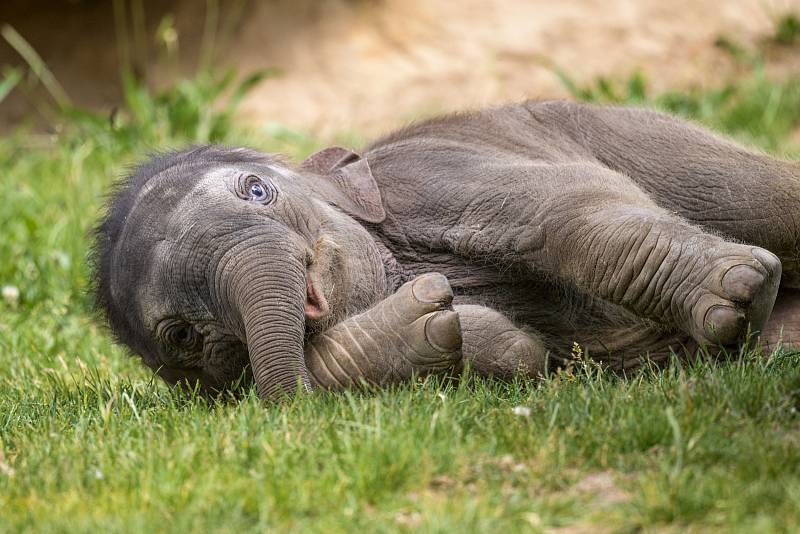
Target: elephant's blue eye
256	189
257	192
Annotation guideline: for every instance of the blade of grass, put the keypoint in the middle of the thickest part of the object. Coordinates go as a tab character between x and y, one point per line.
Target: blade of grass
37	65
11	78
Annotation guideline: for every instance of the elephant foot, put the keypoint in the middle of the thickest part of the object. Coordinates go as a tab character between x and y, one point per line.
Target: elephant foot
427	322
783	327
495	346
736	295
413	331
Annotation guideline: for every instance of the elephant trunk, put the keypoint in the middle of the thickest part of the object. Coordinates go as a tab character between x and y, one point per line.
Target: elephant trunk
268	288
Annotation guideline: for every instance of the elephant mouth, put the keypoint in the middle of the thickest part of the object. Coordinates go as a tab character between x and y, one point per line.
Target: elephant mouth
322	276
316	305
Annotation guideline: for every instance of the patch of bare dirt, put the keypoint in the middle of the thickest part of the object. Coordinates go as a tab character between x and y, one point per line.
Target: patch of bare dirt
376	66
602	487
371	65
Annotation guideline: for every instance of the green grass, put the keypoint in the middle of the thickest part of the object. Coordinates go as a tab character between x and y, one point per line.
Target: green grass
89	441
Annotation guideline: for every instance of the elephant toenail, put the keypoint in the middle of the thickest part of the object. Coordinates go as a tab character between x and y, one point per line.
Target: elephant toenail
742	282
770	261
443	331
432	287
724	324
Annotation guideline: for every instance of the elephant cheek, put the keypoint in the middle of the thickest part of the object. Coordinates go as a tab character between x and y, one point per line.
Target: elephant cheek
187	378
228	365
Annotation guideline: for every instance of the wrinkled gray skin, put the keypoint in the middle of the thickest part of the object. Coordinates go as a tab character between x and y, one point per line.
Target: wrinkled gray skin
626	231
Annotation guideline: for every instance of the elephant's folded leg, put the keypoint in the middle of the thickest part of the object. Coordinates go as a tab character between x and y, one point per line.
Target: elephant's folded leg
783	327
413	331
494	345
607	238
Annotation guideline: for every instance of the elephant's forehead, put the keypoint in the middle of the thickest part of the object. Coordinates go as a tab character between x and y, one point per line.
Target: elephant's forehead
168	195
152	304
145	227
211	184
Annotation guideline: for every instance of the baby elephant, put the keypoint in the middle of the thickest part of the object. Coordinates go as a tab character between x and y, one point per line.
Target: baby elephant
626	231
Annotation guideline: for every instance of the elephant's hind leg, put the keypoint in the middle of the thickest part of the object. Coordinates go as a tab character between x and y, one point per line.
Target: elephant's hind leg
783	327
495	346
717	184
606	237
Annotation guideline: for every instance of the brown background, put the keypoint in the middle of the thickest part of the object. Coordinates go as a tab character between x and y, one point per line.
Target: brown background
369	65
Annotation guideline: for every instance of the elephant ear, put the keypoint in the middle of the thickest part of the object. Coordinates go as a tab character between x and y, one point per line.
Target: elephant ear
354	188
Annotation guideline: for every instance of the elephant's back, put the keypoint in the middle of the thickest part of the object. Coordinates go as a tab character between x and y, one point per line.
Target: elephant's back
432	172
498	135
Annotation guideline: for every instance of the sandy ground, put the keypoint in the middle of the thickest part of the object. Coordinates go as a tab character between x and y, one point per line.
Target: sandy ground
370	65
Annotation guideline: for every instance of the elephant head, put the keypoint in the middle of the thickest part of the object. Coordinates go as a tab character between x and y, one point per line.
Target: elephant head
212	260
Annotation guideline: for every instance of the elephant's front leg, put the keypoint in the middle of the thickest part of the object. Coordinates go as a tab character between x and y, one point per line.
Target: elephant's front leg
412	331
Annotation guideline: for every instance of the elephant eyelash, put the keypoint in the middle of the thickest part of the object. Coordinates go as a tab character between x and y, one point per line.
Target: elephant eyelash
253	188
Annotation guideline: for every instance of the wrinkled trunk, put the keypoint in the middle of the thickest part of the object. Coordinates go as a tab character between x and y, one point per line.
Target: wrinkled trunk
267	288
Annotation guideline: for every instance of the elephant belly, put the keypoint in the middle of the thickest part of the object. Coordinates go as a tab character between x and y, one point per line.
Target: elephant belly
575	325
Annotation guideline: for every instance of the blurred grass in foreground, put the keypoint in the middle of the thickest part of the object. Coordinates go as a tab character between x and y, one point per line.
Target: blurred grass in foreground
90	441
